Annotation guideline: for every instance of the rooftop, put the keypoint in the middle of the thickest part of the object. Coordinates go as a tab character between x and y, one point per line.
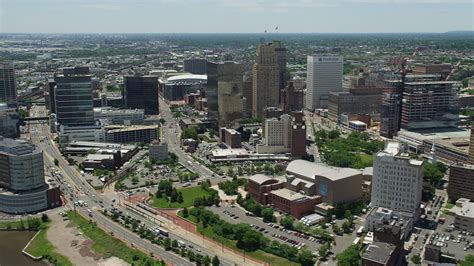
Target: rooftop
464	208
290	195
379	252
310	170
187	77
16	147
115	129
260	178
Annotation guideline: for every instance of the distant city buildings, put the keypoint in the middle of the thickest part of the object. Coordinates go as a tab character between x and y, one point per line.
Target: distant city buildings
324	75
266	78
8	92
141	92
22	183
73	97
195	66
397	180
356	101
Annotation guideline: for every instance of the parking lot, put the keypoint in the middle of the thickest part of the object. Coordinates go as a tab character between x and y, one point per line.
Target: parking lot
452	242
271	231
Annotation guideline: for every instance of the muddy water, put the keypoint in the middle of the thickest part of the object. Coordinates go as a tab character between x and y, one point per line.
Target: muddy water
11	245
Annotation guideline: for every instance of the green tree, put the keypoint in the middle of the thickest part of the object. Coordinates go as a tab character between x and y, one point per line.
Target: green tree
167	244
305	257
180	197
191	255
206	260
267	214
212	132
416	259
44	218
287	222
216	261
323	250
350	256
56	162
185	212
250	241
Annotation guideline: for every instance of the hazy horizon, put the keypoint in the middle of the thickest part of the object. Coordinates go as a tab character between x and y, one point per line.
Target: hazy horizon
235	16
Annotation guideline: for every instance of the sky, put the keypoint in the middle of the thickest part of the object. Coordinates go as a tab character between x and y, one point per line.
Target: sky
235	16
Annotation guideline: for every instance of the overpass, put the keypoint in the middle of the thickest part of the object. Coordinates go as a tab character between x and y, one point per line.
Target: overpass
38	118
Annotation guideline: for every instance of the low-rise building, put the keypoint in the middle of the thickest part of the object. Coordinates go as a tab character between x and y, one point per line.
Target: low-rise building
293	203
464	215
379	254
101	161
131	134
259	187
158	150
333	184
379	217
231	138
119	116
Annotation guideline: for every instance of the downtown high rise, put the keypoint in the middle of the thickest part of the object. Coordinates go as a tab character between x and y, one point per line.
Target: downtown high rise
73	99
324	75
266	77
141	92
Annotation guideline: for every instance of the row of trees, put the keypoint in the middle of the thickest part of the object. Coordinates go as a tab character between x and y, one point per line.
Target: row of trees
212	199
249	204
230	187
165	188
248	239
167	243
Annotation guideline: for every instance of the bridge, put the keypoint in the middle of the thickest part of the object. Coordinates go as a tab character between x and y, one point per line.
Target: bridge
38	118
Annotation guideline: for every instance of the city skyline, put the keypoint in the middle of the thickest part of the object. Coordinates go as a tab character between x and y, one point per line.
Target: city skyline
186	16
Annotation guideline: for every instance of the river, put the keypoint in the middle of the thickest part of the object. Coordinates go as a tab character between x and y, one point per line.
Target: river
11	245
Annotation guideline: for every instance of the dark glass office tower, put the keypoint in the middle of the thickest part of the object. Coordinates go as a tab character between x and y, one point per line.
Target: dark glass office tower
141	92
73	97
7	84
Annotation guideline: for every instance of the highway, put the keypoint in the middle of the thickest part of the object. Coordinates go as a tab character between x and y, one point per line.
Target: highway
40	136
81	190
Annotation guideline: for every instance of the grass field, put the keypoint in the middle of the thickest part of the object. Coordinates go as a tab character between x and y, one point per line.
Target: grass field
259	255
189	194
109	246
190	217
366	159
40	246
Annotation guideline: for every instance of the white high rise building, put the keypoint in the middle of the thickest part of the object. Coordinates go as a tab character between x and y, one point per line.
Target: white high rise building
397	180
324	75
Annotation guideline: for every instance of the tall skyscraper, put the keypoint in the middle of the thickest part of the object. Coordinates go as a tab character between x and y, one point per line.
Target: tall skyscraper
211	92
397	180
281	54
324	75
229	93
73	97
8	85
141	92
266	79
